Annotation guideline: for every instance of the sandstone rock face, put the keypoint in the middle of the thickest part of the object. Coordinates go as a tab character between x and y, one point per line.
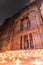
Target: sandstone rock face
6	33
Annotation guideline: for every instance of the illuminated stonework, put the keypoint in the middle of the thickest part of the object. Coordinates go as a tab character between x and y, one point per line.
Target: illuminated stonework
24	36
22	57
24	30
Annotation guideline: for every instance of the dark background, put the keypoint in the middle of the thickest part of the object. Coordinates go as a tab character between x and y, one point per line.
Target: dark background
9	7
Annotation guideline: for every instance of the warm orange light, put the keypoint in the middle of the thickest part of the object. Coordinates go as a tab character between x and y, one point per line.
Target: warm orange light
22	57
37	62
17	62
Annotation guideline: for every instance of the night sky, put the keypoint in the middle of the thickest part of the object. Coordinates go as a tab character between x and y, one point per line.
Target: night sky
9	7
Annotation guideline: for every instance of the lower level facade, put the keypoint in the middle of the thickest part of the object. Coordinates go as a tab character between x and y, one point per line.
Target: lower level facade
29	39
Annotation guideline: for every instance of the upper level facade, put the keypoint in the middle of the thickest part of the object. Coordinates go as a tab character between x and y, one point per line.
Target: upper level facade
29	19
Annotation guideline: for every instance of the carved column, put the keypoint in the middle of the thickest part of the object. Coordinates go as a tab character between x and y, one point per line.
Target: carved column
29	41
23	42
33	40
